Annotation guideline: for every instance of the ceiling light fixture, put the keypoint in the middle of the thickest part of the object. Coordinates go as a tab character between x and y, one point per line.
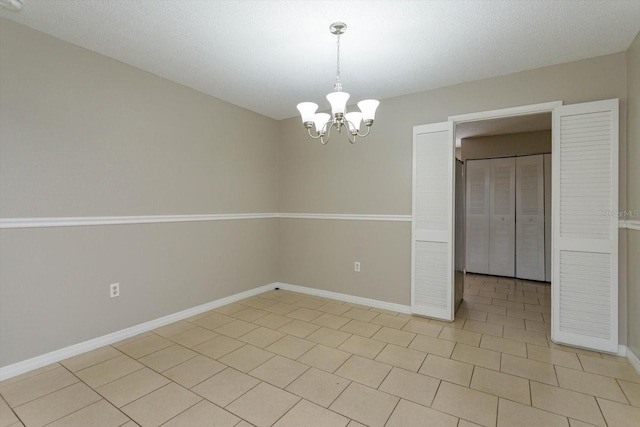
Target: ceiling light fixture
323	122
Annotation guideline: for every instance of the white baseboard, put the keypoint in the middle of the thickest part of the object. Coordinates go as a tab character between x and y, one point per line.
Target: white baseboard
633	359
73	350
346	298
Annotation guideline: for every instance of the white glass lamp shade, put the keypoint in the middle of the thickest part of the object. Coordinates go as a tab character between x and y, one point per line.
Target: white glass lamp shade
338	101
354	120
368	108
320	120
307	110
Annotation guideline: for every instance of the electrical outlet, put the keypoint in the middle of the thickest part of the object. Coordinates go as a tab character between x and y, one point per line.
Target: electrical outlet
356	266
114	290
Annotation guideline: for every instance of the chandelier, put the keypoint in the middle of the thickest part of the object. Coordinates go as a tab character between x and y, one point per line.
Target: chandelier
339	118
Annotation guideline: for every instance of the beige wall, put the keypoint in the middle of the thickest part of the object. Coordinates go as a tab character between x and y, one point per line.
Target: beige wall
514	144
374	175
85	135
633	195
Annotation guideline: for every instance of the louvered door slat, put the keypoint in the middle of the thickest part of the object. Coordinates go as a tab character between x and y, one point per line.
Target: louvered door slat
585	238
432	264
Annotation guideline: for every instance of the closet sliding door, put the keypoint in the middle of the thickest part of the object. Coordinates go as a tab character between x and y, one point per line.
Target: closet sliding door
502	217
477	216
530	218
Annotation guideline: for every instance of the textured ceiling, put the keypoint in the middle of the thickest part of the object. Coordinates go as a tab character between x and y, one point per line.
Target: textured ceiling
267	56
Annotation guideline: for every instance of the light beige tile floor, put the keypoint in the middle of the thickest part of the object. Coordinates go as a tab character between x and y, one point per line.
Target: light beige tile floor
286	359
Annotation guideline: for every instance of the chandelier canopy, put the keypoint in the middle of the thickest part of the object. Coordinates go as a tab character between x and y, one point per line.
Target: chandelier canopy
339	118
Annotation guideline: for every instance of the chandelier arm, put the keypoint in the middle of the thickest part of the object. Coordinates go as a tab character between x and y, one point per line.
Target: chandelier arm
362	135
314	137
352	137
326	133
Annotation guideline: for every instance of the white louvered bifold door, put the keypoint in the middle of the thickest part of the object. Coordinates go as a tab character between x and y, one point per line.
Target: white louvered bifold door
432	263
502	228
530	218
477	217
585	229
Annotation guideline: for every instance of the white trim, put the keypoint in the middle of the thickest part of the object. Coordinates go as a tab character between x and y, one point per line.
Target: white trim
7	223
629	224
73	350
400	308
117	220
347	217
545	107
633	359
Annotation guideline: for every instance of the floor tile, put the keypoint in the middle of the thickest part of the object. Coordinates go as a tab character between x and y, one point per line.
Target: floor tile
279	371
585	382
543	328
556	357
477	356
299	328
565	402
213	321
193	337
325	358
609	368
132	339
489	308
447	369
236	329
235	307
194	371
512	414
471	314
461	336
503	320
273	321
361	346
389	321
108	371
29	374
360	314
144	346
514	348
203	414
161	405
483	328
263	405
18	393
525	314
249	314
462	402
410	414
90	358
305	314
525	336
225	387
502	385
311	415
281	308
363	329
257	302
331	321
394	336
311	303
632	391
167	357
318	386
99	414
56	405
262	337
363	370
411	386
432	345
131	387
7	417
334	308
246	358
422	327
366	405
401	357
531	369
218	346
175	328
291	347
618	415
328	337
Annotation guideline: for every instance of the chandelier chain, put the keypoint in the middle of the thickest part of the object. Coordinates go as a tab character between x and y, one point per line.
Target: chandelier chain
338	85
